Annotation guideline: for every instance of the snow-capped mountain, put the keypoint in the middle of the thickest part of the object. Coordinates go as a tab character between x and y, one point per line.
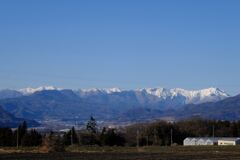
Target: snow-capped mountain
149	95
105	104
96	91
191	96
145	96
29	90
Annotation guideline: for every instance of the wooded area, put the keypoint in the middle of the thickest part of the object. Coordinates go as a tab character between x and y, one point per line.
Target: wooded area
145	134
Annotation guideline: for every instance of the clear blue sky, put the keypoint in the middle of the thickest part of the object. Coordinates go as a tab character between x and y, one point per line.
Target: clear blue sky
123	43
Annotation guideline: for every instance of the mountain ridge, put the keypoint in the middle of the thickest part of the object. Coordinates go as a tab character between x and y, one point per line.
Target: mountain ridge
105	104
192	96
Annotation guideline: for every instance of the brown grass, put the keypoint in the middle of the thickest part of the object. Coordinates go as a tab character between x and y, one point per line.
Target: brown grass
127	153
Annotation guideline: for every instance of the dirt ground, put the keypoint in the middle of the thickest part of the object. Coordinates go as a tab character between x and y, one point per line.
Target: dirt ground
117	153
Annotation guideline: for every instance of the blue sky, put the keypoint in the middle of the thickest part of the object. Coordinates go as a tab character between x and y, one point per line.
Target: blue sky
123	43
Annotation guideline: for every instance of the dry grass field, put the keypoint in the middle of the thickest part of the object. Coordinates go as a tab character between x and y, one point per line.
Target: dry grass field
126	153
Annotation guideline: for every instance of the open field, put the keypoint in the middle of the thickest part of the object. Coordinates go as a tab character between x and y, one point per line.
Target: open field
127	153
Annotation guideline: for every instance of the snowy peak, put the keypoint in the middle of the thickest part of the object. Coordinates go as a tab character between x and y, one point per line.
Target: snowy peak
114	99
164	94
158	94
94	91
113	90
207	95
29	90
191	96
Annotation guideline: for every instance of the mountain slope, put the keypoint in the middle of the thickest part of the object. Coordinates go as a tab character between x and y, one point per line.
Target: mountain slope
50	104
7	93
9	120
227	109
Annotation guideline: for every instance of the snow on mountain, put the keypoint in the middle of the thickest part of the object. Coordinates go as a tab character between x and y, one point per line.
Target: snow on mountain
149	95
112	103
113	90
191	96
164	94
95	91
29	90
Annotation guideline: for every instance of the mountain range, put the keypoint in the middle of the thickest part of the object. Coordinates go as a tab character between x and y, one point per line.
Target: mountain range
118	105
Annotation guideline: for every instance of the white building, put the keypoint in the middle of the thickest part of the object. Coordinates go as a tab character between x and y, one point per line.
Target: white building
210	141
229	141
190	141
197	141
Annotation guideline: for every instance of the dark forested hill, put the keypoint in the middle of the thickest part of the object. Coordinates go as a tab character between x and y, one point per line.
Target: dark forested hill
9	120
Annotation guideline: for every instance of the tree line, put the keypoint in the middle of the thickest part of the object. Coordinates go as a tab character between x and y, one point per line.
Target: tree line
165	133
20	137
91	135
160	133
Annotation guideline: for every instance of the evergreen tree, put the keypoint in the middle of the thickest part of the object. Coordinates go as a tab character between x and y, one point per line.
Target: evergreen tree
110	137
33	138
70	137
90	137
92	125
20	133
6	137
